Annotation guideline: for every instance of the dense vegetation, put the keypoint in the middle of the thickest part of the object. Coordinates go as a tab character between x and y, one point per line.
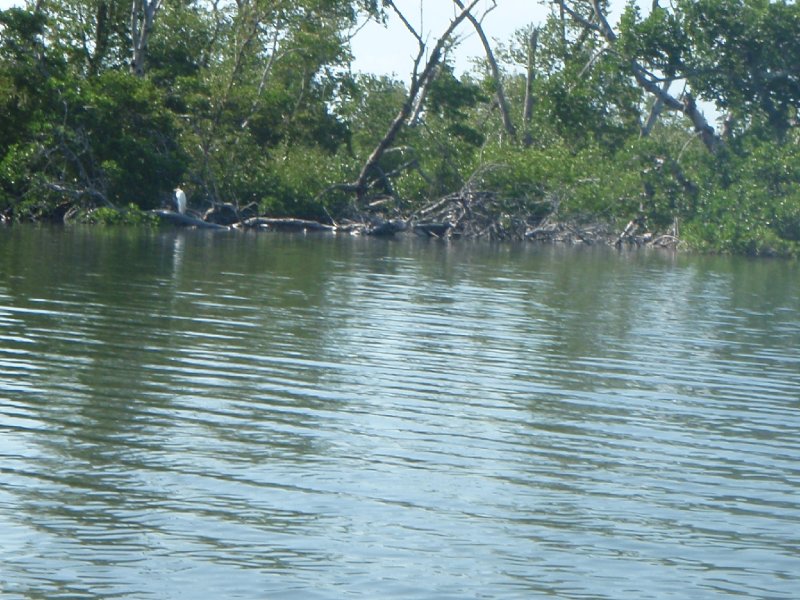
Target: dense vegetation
107	105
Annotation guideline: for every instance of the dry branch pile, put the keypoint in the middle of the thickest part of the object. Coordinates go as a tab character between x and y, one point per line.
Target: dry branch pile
466	214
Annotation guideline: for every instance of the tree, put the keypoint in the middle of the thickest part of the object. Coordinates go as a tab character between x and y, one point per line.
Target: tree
270	84
592	16
99	35
422	76
745	57
583	93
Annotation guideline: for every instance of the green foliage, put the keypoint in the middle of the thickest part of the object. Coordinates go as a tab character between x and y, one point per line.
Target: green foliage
752	205
297	177
24	72
744	57
104	215
111	139
133	139
368	104
180	45
658	40
584	93
16	168
449	99
441	146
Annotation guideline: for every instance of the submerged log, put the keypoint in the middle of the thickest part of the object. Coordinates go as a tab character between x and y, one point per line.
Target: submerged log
665	241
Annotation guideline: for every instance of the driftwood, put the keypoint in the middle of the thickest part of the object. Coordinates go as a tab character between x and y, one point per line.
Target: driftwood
277	224
472	213
434	230
468	214
628	234
560	232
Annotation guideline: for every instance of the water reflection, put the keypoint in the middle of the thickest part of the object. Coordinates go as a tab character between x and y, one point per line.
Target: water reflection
195	415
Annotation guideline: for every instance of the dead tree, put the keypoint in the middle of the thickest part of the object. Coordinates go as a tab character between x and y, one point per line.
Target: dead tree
420	81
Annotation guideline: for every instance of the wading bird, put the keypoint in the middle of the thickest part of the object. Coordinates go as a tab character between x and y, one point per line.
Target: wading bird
180	200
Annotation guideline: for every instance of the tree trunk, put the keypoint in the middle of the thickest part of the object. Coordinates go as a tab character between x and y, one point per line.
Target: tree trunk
100	38
655	111
530	77
143	13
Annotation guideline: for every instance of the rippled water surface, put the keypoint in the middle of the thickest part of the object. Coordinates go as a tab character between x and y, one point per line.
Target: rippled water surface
234	416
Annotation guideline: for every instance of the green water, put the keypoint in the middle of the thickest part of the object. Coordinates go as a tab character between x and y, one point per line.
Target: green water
194	415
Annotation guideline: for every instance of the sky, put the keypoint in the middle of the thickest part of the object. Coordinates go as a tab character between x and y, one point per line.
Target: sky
391	50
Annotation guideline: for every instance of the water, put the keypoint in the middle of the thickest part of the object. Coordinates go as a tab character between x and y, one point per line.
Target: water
192	415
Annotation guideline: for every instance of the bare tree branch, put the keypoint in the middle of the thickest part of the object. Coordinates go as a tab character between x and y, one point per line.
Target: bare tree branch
418	82
419	104
273	55
502	103
655	110
406	23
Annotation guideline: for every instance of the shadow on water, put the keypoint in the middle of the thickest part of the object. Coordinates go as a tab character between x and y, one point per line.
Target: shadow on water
191	414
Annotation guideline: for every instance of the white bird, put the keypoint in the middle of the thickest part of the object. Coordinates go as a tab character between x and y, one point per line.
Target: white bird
180	200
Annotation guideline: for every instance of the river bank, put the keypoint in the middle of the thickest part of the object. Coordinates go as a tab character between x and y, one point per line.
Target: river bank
453	217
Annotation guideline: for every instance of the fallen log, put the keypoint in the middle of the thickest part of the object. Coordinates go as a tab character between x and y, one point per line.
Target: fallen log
279	224
183	220
435	230
386	228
